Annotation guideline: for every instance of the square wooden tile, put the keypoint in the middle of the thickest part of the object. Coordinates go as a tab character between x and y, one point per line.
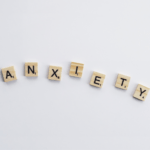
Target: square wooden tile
97	79
76	69
31	69
9	74
55	73
122	82
141	92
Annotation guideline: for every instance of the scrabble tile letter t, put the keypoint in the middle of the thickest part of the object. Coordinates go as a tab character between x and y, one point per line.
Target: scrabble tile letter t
122	82
31	69
76	69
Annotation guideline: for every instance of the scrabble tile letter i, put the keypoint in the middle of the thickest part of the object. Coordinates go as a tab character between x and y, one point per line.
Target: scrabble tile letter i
76	69
9	74
31	69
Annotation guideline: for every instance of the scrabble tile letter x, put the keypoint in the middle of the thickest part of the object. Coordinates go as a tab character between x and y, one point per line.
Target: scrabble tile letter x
76	69
141	92
97	79
31	69
55	73
9	74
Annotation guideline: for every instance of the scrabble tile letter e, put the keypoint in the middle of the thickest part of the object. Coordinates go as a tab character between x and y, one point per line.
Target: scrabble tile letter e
97	79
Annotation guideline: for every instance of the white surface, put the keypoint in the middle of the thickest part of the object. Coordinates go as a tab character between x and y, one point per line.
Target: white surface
108	36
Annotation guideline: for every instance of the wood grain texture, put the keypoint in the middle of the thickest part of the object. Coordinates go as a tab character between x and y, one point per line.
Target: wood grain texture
97	79
9	74
55	73
76	69
122	82
31	69
141	92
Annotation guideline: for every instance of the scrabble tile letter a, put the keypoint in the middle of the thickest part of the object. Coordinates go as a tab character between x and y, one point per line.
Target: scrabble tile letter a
76	69
9	74
31	69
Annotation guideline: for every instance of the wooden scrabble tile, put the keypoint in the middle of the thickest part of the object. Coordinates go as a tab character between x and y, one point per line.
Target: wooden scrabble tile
31	69
97	79
122	82
141	92
55	73
9	74
76	69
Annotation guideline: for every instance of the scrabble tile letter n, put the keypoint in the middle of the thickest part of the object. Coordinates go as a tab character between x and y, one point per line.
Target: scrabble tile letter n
54	73
97	79
76	69
122	82
9	74
141	92
31	69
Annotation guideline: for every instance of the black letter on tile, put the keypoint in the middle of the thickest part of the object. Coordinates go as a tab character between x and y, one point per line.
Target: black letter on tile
76	71
32	70
8	74
141	92
54	73
123	81
96	80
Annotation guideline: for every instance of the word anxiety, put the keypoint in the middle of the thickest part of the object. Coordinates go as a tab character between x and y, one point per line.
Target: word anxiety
76	70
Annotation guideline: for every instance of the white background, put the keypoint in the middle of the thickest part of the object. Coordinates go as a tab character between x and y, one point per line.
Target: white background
108	36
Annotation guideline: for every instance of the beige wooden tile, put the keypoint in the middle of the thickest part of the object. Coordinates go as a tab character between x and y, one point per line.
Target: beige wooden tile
122	82
141	92
55	73
76	69
9	74
31	69
97	79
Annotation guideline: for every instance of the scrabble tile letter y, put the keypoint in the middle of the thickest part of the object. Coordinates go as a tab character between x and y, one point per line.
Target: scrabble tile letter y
141	92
